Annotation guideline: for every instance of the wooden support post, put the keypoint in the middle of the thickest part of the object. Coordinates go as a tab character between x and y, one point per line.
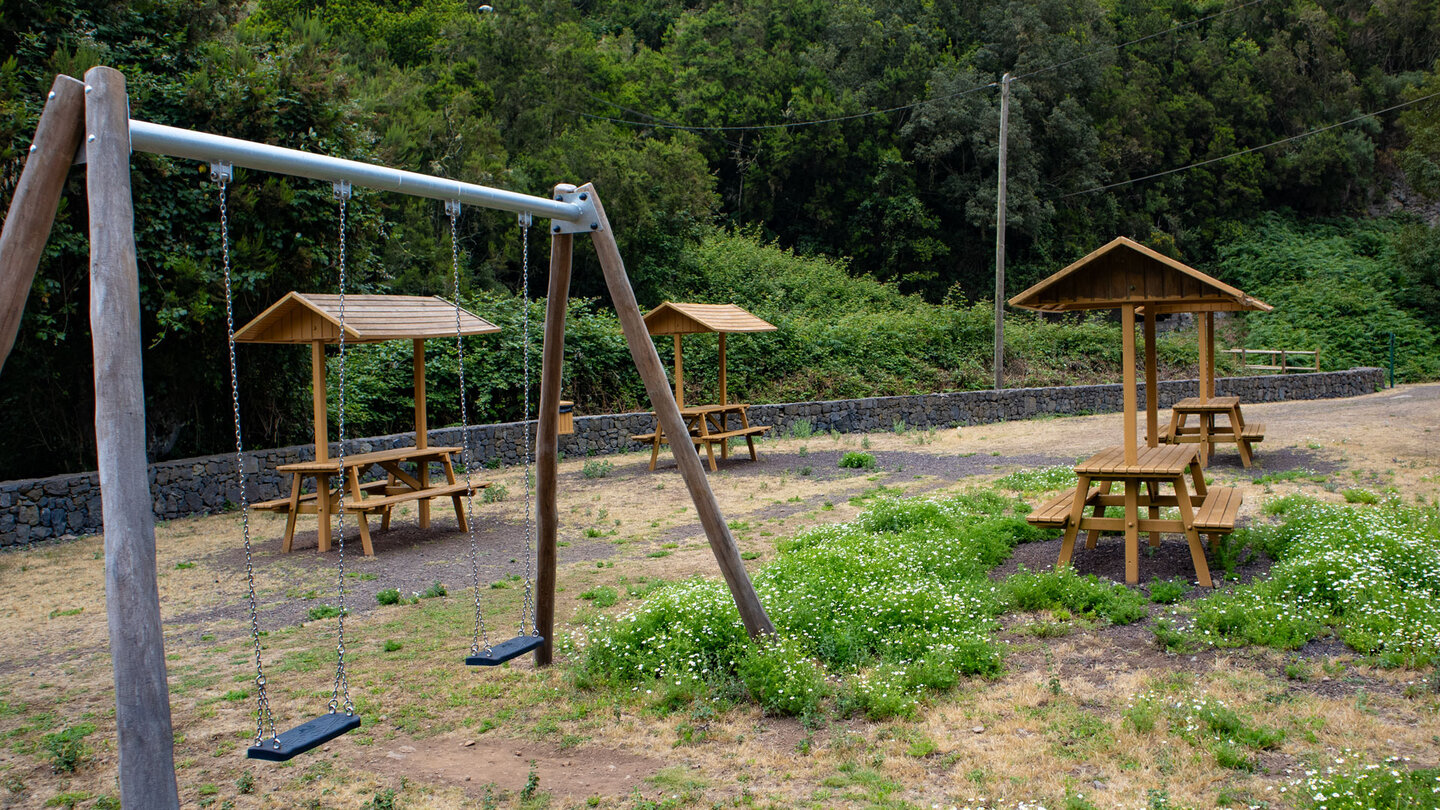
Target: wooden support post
723	393
1209	355
422	437
1207	361
547	451
1152	385
37	196
1001	171
1127	361
322	444
132	599
679	375
667	412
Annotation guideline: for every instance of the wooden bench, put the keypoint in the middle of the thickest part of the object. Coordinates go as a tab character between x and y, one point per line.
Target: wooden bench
1217	513
307	500
1055	513
707	439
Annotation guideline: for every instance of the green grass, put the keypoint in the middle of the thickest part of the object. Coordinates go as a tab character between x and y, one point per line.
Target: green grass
602	597
1390	785
1040	480
596	468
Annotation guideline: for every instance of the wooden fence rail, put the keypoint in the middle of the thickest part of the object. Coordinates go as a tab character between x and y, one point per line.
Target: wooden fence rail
1282	364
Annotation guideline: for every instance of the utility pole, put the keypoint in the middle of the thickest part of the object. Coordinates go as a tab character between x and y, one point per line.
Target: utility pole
1000	236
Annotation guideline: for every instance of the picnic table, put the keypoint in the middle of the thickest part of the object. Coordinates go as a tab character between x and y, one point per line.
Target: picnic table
1206	431
1209	510
709	425
361	499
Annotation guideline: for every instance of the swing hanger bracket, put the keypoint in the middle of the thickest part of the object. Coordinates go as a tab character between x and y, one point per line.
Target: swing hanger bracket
452	208
222	172
342	189
589	219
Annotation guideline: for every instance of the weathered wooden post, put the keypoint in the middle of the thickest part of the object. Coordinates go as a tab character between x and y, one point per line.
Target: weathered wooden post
667	412
36	198
547	460
132	600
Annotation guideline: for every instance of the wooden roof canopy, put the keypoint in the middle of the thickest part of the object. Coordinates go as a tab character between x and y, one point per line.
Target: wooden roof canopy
688	319
1126	272
1128	276
314	319
311	317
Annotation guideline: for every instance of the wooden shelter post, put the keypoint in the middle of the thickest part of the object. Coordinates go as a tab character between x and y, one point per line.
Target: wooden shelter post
322	443
35	201
723	393
679	375
1152	385
547	451
132	599
422	437
667	412
1127	339
1208	370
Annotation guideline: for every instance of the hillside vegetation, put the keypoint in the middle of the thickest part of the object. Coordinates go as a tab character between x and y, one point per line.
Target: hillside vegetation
829	165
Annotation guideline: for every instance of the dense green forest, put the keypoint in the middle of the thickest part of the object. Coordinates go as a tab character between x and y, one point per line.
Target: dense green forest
829	165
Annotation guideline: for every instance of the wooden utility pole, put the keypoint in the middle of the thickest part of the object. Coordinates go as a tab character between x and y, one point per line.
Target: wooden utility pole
667	413
1000	235
132	599
36	198
547	461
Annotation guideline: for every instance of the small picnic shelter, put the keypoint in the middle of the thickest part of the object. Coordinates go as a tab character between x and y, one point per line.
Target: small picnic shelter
1128	276
709	425
314	319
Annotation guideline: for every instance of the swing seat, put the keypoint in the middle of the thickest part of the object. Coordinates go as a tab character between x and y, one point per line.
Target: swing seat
504	651
303	737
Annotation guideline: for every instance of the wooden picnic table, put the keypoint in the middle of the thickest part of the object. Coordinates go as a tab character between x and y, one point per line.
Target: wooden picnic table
1209	510
399	486
1207	430
709	425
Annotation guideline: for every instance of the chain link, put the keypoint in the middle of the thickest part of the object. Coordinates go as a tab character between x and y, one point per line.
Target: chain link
342	680
263	717
528	606
480	640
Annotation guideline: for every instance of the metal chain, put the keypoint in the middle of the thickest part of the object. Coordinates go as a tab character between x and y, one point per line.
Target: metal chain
263	717
528	606
342	680
480	640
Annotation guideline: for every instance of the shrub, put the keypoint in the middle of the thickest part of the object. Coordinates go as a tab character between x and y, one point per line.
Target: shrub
324	612
388	596
1063	588
602	597
1041	480
1360	496
596	468
782	679
436	589
495	493
858	461
67	747
1168	591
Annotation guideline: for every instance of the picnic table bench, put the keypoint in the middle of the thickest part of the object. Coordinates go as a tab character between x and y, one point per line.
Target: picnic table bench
399	486
709	425
1211	510
1206	431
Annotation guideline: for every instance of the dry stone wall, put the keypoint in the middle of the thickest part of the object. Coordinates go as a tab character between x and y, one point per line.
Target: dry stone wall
62	507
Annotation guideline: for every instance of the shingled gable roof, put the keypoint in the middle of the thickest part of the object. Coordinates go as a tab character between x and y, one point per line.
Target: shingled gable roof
1127	272
308	317
684	319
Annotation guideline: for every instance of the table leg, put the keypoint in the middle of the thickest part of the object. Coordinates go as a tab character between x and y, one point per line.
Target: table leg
1072	528
1238	426
289	541
1207	422
1092	536
460	520
359	495
323	510
655	450
424	506
1152	488
1197	477
1132	536
1187	518
710	451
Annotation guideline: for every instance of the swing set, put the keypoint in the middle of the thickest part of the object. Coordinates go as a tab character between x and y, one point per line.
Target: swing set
96	112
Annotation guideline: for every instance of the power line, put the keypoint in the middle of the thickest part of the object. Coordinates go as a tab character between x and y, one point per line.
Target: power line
660	124
1207	162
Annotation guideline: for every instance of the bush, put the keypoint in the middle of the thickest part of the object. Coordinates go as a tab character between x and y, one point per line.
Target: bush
1168	591
858	461
782	678
324	612
602	597
388	596
1063	588
436	589
596	468
67	747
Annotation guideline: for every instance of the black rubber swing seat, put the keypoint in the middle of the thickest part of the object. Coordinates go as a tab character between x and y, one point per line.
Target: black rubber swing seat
504	651
303	737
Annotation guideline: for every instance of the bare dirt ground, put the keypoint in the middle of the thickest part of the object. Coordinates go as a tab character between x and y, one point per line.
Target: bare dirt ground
439	736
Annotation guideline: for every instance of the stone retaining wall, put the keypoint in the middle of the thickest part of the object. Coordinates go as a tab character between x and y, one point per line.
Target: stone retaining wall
65	506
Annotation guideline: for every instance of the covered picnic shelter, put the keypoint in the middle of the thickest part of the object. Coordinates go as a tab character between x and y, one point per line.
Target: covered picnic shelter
688	319
314	319
1128	276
